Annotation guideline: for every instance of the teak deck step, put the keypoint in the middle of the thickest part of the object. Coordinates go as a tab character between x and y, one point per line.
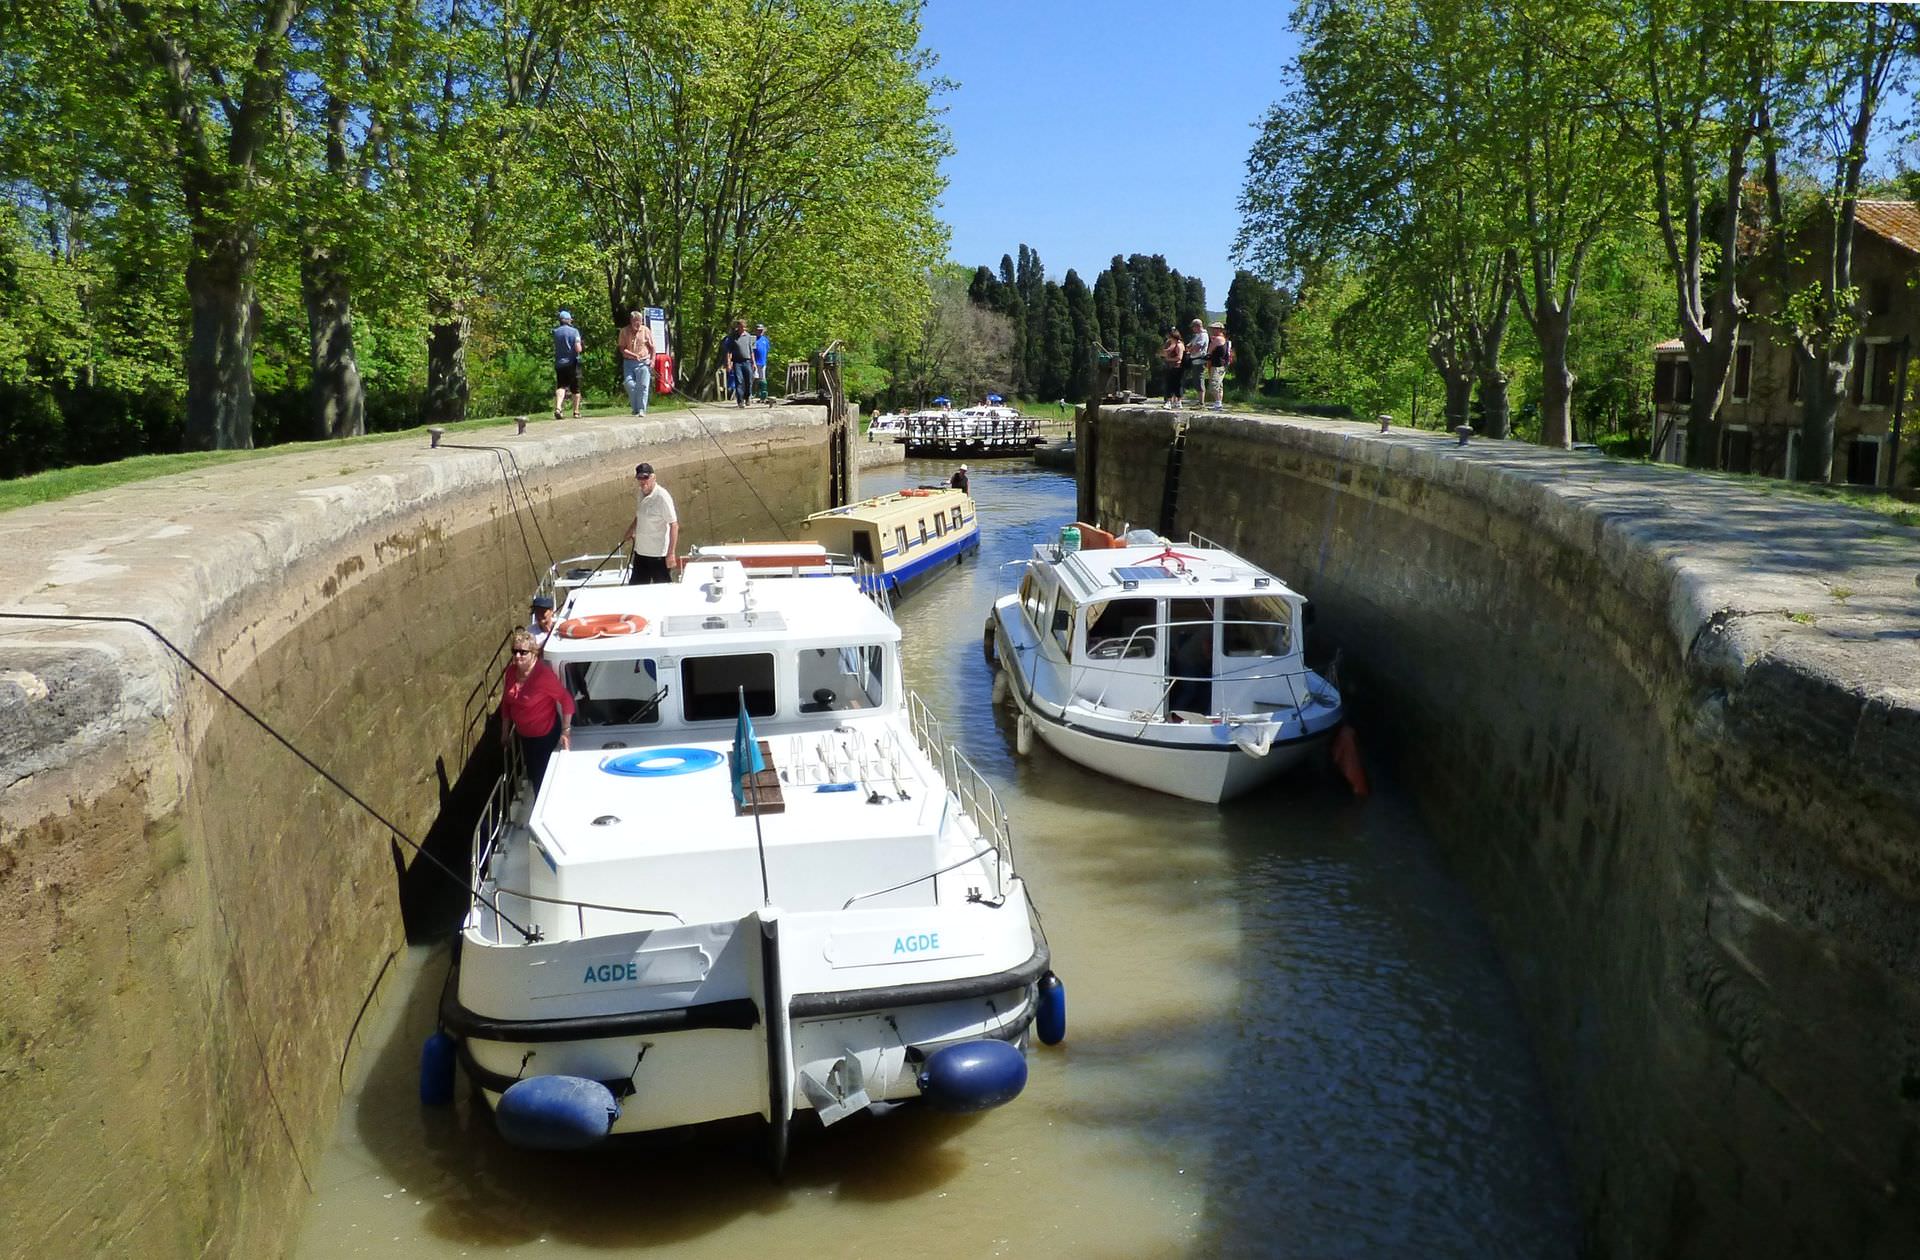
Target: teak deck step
760	792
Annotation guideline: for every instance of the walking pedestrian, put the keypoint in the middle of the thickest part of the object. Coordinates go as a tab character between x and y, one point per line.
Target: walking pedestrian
1172	358
567	349
736	356
762	346
655	531
636	361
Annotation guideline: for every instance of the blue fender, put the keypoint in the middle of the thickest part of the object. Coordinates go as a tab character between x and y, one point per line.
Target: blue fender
436	1071
973	1076
1050	1015
556	1113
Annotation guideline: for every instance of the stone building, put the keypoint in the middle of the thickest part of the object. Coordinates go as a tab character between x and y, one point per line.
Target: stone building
1763	413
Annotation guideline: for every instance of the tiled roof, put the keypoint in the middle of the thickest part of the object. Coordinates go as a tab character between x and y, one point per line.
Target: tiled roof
1896	221
1666	346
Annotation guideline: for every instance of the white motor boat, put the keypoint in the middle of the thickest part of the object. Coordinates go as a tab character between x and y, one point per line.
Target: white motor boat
1178	669
663	935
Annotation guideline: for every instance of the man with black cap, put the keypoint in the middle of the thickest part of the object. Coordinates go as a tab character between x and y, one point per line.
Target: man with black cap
540	620
655	531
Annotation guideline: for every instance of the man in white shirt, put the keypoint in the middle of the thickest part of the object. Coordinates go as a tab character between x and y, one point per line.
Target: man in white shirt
655	531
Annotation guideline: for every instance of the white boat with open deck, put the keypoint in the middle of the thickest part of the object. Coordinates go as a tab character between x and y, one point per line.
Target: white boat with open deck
1178	669
656	940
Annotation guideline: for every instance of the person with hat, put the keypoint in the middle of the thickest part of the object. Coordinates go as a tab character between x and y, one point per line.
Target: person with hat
540	620
959	481
1219	356
567	349
655	531
762	345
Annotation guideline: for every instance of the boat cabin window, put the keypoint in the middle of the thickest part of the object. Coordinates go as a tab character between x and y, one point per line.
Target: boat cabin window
956	518
863	545
1122	629
900	537
923	532
1256	625
836	678
1030	597
710	686
614	693
1063	623
940	526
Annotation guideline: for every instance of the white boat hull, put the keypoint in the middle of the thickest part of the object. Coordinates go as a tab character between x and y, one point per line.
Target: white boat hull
1209	775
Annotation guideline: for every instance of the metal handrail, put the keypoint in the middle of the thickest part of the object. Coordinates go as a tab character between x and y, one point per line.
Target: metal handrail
978	801
974	856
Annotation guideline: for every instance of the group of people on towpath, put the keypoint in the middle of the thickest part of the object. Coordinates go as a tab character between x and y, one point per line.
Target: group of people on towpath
742	354
1198	362
535	708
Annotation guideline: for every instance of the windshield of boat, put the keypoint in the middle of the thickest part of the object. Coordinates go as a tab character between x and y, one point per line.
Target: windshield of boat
710	686
614	693
1255	625
1122	629
836	678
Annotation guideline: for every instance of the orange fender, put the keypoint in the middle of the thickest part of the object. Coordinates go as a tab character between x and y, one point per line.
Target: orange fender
1346	759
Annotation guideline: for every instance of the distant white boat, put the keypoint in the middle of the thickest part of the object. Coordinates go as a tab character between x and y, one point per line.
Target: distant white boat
1177	669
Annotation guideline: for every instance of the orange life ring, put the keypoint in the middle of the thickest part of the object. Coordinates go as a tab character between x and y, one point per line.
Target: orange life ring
915	494
604	625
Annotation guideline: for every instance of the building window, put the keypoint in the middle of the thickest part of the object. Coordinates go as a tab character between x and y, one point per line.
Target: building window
1880	298
1742	372
1736	449
1863	462
1873	373
1672	380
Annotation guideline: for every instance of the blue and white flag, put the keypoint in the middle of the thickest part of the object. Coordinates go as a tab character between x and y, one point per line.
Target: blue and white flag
746	751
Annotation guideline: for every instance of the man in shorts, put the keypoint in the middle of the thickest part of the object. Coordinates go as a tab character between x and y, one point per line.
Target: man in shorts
567	348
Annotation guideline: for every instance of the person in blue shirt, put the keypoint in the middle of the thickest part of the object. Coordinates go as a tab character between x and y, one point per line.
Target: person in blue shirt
761	345
567	348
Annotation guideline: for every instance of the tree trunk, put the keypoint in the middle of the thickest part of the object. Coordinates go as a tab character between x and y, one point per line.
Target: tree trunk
338	394
220	346
1556	379
1818	410
1459	388
446	400
1496	414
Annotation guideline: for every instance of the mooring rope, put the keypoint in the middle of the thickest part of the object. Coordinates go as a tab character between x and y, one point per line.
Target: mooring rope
284	742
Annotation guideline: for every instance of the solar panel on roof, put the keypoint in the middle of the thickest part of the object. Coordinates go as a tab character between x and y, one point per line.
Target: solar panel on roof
1141	573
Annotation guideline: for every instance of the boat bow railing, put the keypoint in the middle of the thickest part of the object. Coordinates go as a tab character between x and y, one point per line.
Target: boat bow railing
978	801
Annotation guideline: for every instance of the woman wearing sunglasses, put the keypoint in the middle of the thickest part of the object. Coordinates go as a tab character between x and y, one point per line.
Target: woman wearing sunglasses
534	706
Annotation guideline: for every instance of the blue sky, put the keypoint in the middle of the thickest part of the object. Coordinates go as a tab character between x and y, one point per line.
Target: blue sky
1093	129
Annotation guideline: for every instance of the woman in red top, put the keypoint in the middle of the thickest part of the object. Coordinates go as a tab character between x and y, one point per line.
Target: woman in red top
534	706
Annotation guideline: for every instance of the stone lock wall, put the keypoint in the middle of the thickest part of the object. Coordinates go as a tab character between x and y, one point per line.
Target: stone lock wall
194	917
1668	730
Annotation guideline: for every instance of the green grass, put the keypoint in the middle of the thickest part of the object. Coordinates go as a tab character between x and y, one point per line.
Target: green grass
63	483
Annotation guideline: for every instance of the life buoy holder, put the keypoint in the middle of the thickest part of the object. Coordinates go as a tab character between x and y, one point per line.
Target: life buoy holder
600	626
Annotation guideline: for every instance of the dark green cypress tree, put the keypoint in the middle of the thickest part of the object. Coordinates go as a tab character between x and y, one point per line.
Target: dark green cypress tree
1085	330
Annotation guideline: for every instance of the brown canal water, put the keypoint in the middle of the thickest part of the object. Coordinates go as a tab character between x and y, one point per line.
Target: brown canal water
1288	1036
